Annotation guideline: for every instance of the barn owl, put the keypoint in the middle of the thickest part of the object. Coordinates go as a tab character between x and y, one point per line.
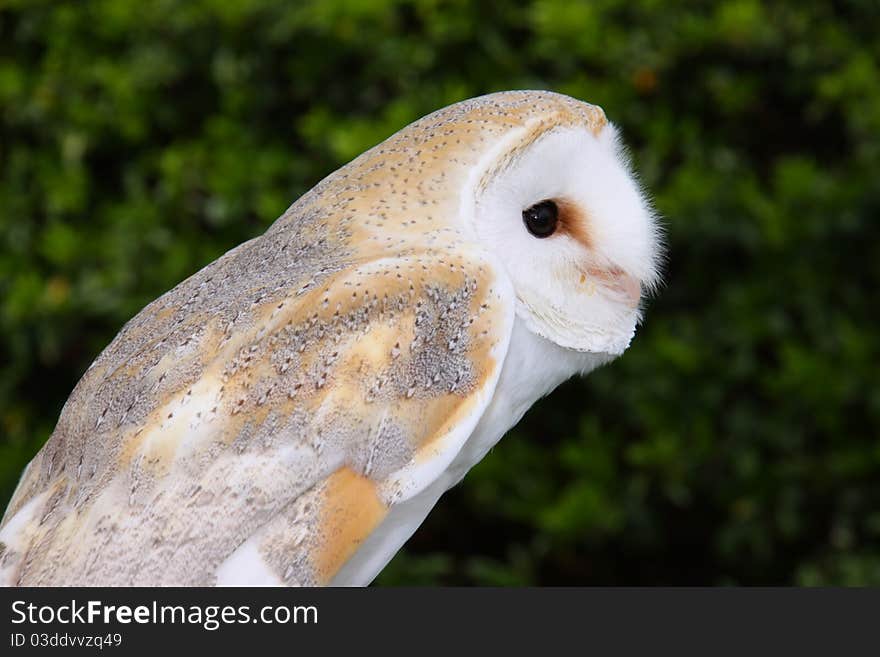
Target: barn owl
290	414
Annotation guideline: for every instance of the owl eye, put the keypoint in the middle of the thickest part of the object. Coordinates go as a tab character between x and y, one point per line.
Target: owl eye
541	218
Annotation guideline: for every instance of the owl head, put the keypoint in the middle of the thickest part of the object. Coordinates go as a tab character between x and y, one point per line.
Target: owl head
556	201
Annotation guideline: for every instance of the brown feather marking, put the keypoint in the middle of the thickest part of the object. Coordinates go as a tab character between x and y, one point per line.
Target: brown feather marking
574	222
350	510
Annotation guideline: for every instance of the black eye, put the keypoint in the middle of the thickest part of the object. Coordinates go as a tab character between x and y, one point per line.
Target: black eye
541	218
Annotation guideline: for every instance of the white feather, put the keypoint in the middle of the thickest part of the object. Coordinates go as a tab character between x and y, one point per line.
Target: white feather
593	173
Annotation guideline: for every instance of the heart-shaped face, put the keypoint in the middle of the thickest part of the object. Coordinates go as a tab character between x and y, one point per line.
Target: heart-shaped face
557	204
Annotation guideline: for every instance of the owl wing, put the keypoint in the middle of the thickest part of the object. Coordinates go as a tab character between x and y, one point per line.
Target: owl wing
266	444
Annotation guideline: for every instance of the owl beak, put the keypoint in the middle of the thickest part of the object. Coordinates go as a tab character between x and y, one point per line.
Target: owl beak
622	284
631	288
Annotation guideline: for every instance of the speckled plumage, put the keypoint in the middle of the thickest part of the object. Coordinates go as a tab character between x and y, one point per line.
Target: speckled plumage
275	406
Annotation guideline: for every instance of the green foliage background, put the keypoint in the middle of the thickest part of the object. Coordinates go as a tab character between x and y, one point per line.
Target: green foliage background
736	441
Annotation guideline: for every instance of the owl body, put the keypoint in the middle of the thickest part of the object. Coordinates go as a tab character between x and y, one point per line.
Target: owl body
291	413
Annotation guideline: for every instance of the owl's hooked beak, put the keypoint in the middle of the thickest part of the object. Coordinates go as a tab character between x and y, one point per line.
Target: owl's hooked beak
619	282
631	287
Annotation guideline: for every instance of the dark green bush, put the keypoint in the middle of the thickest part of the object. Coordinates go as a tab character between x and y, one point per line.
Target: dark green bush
736	442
